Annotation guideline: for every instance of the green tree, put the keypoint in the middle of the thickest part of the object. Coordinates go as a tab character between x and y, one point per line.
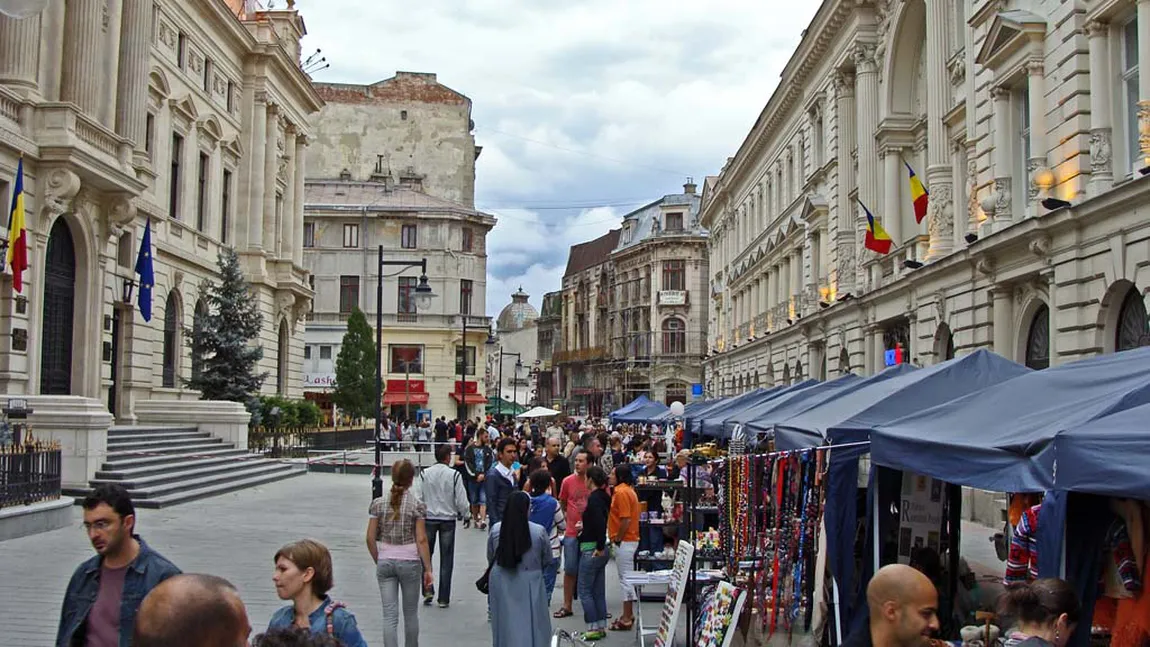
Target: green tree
222	337
355	369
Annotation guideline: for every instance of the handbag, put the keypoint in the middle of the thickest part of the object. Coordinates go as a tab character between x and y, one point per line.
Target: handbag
484	581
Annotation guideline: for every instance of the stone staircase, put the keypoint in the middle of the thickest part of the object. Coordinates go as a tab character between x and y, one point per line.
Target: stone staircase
163	466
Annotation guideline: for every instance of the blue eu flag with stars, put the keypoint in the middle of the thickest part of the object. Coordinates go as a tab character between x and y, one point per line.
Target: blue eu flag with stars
146	272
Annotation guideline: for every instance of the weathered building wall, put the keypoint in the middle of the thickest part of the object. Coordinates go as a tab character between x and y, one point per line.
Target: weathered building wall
409	128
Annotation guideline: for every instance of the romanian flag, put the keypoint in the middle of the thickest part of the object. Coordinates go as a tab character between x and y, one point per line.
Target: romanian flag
877	240
17	234
918	195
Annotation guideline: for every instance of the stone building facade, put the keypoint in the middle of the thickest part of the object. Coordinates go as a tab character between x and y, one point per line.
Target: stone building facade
659	302
581	361
549	336
998	109
191	115
517	348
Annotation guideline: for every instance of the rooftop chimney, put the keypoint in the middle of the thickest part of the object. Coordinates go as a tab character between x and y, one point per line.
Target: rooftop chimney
689	187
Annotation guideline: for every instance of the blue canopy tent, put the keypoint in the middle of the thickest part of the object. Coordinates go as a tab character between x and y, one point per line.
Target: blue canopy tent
712	422
785	402
693	422
1004	438
644	413
850	417
629	407
1109	455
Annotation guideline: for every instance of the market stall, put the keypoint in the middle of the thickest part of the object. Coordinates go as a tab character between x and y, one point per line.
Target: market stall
711	423
735	425
643	412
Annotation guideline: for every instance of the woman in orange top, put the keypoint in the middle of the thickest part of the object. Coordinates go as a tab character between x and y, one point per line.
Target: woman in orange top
623	531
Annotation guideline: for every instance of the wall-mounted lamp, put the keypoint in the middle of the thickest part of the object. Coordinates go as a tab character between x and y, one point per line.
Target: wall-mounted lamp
126	290
1054	204
970	238
911	264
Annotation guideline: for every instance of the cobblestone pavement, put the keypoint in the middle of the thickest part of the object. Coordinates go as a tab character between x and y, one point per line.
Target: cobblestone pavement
235	536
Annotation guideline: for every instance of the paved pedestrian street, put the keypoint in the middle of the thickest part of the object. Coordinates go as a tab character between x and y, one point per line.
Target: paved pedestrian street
235	536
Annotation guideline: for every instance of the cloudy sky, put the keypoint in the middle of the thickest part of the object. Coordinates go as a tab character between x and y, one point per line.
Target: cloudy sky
585	110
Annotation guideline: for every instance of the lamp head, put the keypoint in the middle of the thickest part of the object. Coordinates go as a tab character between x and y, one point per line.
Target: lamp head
970	238
423	293
1054	203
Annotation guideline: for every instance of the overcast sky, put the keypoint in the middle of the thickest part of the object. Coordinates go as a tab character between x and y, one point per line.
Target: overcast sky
585	110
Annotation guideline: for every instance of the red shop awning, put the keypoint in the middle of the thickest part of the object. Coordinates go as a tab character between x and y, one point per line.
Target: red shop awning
404	398
470	398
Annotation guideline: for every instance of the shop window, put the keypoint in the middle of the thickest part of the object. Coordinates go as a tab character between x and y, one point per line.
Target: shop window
405	358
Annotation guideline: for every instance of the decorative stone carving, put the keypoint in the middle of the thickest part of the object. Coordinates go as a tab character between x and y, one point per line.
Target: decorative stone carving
940	307
1032	166
1002	197
167	35
864	58
844	83
1040	246
121	210
985	266
972	190
956	66
1144	128
196	63
219	84
284	302
847	263
941	207
1100	151
177	279
60	189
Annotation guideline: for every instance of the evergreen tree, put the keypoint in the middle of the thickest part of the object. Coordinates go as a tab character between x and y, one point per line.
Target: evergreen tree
222	337
355	369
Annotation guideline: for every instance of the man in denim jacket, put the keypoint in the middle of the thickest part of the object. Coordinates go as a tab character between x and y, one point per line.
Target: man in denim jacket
105	592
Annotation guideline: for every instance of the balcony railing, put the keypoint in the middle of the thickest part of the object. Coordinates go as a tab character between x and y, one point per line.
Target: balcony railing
579	355
658	346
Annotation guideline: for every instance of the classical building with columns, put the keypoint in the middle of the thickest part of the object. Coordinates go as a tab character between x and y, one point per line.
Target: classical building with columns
193	115
1027	126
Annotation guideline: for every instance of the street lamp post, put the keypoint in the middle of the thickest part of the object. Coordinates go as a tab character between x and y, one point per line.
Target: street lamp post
462	411
423	295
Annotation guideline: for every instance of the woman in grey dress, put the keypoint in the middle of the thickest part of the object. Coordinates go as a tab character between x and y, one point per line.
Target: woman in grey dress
518	551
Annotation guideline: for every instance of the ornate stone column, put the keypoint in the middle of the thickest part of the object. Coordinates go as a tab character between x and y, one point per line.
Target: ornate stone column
20	52
83	55
892	205
1002	320
1144	81
132	86
298	202
879	352
1039	177
271	164
1002	160
845	243
939	26
797	277
259	174
287	215
785	280
1101	159
866	88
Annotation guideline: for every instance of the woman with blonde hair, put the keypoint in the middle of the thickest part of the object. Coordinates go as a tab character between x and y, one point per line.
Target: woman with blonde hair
397	541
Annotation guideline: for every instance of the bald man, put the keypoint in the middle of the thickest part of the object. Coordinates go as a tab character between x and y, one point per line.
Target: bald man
192	611
903	610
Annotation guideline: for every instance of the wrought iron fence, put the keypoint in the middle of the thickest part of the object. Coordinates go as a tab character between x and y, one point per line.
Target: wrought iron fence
29	473
296	442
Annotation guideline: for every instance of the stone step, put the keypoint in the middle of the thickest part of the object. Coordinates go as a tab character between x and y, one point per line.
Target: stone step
147	446
130	430
183	496
237	472
130	473
176	472
156	435
130	461
189	448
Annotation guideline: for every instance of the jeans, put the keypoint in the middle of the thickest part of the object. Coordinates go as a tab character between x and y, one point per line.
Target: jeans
476	493
549	575
570	556
446	532
593	588
395	575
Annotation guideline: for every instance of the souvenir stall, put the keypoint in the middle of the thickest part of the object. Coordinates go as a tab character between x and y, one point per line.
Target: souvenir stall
1008	438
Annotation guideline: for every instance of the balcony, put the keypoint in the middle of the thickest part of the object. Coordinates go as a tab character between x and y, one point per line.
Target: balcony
659	347
101	158
580	355
674	297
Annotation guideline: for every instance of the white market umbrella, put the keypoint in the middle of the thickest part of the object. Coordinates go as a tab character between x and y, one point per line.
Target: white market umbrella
538	412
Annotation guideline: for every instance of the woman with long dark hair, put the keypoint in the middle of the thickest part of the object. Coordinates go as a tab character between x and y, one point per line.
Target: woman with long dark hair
397	541
518	552
1047	612
594	555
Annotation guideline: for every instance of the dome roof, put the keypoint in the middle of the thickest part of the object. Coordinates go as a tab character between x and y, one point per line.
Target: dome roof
517	314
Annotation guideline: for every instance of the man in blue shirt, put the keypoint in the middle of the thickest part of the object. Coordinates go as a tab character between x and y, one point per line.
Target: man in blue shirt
105	592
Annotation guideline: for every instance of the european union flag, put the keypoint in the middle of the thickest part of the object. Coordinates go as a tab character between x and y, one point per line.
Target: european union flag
146	272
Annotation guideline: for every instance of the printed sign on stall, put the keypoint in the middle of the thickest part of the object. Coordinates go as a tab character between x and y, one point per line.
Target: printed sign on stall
920	514
673	603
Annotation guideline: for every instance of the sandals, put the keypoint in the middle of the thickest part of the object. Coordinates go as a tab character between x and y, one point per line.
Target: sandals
619	625
563	613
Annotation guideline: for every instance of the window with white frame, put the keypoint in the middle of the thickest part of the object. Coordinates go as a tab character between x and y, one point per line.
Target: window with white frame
1130	91
351	235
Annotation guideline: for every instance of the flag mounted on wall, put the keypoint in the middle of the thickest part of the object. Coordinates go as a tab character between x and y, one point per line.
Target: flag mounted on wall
918	195
147	273
877	240
17	256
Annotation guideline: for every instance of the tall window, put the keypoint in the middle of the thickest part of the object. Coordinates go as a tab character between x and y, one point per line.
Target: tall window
208	65
149	133
325	352
231	96
674	222
351	235
408	237
174	187
470	360
198	321
1133	326
406	303
202	192
405	358
171	340
1038	340
675	275
348	293
674	336
1022	146
309	234
225	205
1131	90
818	144
465	289
181	50
468	243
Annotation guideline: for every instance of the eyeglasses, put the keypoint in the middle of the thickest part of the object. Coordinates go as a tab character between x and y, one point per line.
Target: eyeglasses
101	525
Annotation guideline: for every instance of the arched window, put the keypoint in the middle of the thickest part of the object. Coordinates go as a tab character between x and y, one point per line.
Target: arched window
201	313
786	373
798	371
844	362
756	379
282	360
944	343
171	340
674	336
1038	339
1133	326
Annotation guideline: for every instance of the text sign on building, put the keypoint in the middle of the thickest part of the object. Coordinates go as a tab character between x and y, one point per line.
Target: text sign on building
321	380
673	297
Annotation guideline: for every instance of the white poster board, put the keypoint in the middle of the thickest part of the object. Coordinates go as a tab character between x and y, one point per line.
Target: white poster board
920	514
718	616
673	603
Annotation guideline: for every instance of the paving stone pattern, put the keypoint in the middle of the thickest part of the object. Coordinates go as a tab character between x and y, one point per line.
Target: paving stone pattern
235	535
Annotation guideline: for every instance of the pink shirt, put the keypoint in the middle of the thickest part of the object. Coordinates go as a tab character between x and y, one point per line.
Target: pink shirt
573	494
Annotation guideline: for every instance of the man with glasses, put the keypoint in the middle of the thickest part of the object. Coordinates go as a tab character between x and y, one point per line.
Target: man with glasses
501	479
104	593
